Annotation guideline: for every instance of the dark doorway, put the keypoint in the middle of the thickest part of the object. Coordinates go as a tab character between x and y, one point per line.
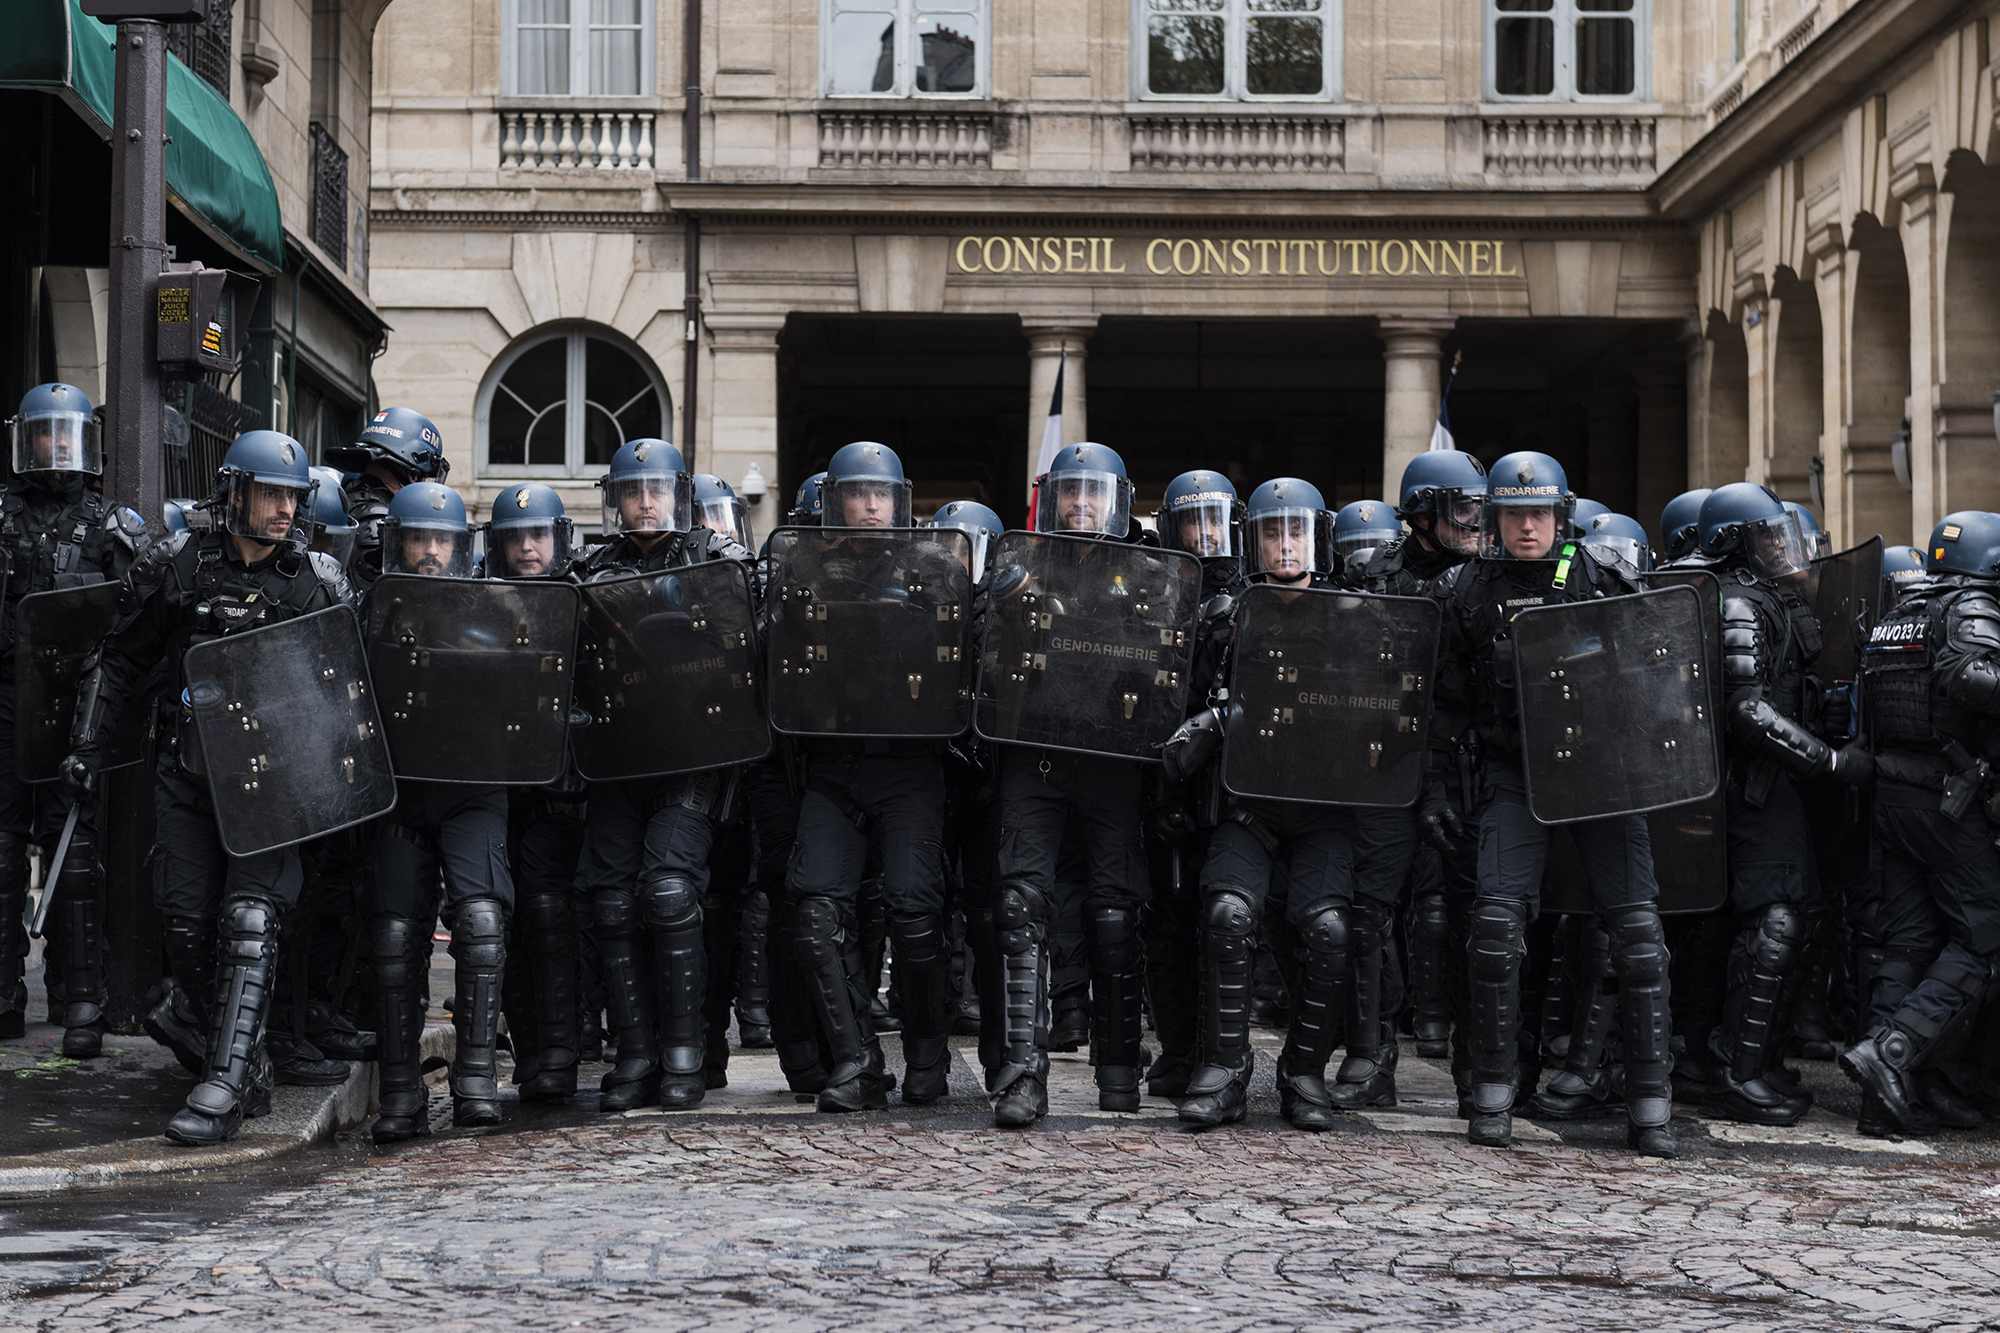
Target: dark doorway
1252	399
949	395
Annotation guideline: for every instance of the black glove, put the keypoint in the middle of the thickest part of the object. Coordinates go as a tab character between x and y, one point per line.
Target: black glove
1851	764
79	774
1436	819
1189	749
1836	711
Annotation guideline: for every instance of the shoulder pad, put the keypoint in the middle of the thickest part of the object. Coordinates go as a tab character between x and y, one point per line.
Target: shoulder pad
324	565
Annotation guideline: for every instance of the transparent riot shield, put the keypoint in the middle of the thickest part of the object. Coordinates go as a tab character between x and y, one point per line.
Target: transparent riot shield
473	676
1845	593
1329	696
1616	711
668	671
53	633
1088	644
289	731
1690	849
868	631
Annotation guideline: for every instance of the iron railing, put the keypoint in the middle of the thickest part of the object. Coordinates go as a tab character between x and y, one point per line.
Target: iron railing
329	194
204	47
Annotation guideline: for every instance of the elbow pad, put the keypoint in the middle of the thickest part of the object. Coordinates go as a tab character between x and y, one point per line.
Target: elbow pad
1742	645
1765	733
1975	686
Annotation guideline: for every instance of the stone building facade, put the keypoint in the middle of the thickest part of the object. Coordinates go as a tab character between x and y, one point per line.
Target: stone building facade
1671	242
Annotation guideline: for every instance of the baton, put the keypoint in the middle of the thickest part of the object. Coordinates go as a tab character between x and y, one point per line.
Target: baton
55	868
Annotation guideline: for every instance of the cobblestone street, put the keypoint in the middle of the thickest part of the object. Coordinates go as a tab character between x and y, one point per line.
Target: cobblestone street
754	1213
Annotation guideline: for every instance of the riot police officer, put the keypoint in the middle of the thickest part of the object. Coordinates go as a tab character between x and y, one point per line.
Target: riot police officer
453	833
1680	525
1902	567
1364	525
1303	852
188	589
396	448
1527	561
718	508
1620	538
648	839
1770	640
57	532
1929	928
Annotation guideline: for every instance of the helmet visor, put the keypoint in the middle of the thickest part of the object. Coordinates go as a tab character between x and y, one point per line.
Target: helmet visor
266	511
409	548
1290	543
1524	531
864	502
661	502
58	442
1363	539
336	542
533	550
1629	549
1777	547
728	515
1201	526
1456	525
1087	503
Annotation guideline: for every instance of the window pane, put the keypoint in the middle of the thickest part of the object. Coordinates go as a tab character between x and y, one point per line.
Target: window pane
864	53
1184	54
949	56
1605	65
1283	57
1605	6
527	405
623	13
1524	57
621	403
1524	6
614	62
543	48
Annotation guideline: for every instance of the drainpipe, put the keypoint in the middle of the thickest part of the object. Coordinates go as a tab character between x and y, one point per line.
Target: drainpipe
691	261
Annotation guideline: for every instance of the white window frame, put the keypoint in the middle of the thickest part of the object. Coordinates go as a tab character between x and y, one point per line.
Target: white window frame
904	84
1565	15
573	406
1235	67
579	52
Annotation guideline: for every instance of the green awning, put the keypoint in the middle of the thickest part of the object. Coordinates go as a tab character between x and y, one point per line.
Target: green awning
216	174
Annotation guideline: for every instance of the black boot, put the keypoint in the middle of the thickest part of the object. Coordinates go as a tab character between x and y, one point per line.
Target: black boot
923	973
672	910
215	1109
1884	1063
829	952
1645	1010
1320	1018
753	973
1172	954
1367	1075
549	939
401	951
479	952
1115	986
179	1021
634	1081
796	1033
1761	963
1493	968
1217	1094
1020	1086
80	898
13	935
1430	942
1811	1026
1584	1090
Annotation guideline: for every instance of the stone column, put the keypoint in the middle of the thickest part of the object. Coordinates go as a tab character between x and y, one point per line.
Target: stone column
741	405
1056	341
1832	274
1412	346
1915	191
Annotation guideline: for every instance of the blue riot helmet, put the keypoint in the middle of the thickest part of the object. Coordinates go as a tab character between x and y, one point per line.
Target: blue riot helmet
1967	542
1449	486
806	506
1621	536
1582	512
333	531
1200	515
1680	523
1528	508
1816	541
977	522
425	532
174	516
403	440
647	489
1901	567
1748	521
865	487
56	430
265	485
528	536
1364	524
1288	531
718	508
1085	492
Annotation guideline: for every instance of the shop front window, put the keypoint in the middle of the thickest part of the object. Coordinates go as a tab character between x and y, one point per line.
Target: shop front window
1240	49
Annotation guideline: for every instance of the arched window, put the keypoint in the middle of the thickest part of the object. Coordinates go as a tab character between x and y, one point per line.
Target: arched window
561	403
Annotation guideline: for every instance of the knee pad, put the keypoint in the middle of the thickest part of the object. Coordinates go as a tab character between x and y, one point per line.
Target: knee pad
1019	906
1969	976
247	919
1499	938
919	939
1777	933
1229	914
14	857
816	933
1432	914
479	932
616	913
1326	931
670	902
1114	930
396	946
545	914
1638	942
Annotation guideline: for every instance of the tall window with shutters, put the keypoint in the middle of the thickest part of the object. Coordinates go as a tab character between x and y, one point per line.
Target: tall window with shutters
578	48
